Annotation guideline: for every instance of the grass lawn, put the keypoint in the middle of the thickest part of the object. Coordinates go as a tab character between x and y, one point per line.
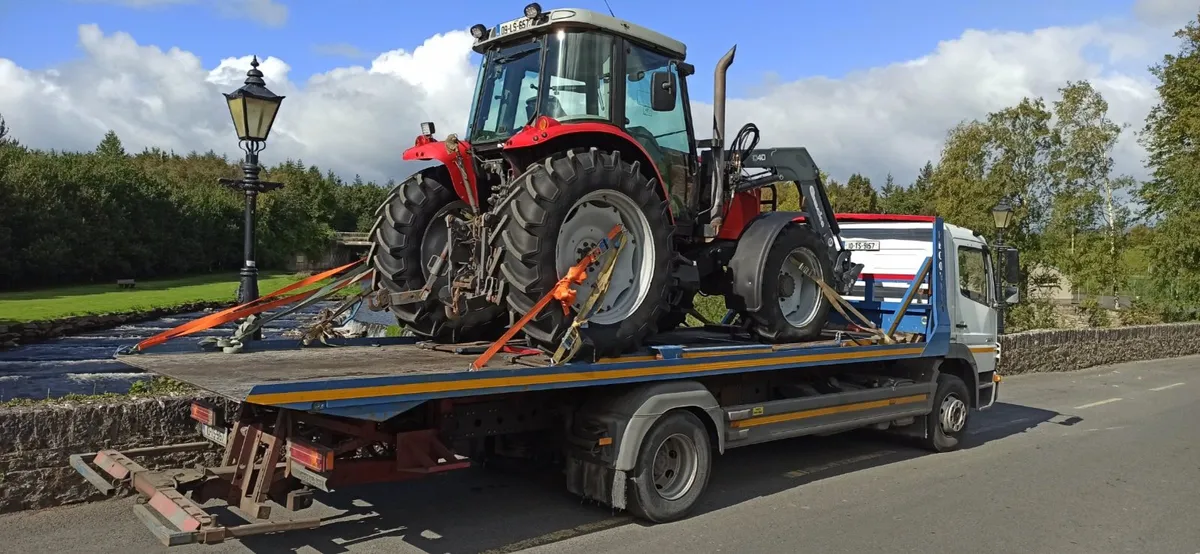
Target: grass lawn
38	305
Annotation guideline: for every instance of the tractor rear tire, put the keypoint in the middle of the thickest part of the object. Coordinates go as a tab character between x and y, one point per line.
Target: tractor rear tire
784	287
574	193
401	257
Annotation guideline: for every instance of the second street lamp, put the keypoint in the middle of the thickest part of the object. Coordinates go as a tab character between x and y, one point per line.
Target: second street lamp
253	108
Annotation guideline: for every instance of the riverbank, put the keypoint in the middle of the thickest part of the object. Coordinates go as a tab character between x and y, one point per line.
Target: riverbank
28	317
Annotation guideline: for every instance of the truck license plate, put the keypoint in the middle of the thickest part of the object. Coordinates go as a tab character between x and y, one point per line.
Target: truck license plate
214	434
510	27
870	245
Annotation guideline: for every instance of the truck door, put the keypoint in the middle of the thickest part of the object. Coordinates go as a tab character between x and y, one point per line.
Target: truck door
974	318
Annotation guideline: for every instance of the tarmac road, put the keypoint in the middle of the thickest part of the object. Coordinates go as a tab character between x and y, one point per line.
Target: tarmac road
1097	461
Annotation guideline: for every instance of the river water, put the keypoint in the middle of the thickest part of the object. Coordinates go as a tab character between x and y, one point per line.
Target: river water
85	364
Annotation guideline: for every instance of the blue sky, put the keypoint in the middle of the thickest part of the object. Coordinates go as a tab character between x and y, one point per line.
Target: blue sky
790	39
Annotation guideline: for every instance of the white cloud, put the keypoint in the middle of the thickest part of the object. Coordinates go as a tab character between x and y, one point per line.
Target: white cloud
267	12
359	119
1168	13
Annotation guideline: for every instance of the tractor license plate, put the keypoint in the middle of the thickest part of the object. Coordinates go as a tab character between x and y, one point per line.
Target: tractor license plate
510	27
870	245
214	434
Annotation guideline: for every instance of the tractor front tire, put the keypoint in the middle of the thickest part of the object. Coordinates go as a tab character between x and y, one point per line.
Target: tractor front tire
567	204
413	213
793	307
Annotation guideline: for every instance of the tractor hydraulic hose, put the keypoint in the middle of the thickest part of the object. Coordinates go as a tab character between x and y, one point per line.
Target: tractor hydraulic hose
718	174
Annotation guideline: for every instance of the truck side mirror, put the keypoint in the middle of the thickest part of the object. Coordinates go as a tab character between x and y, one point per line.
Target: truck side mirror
1012	265
662	91
1012	295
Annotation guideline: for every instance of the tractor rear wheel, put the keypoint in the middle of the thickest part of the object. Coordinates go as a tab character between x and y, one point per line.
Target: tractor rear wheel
412	232
567	205
793	306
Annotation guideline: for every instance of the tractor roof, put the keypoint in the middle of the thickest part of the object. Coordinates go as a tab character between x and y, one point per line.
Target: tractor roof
575	17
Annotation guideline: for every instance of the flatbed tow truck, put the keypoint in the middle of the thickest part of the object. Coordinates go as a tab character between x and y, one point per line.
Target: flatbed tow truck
636	432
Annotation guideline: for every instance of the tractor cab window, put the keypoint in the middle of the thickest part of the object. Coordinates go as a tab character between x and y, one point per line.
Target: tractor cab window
564	75
664	134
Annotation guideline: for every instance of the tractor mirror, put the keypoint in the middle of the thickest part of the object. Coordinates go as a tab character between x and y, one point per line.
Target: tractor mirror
662	91
1012	295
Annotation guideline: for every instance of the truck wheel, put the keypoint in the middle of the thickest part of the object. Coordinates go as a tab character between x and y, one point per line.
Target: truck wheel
565	206
946	426
793	306
673	465
413	231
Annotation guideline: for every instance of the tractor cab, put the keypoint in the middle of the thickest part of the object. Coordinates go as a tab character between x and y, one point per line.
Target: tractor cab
579	67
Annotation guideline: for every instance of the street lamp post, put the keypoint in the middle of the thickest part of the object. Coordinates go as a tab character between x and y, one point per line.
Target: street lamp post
253	108
1003	215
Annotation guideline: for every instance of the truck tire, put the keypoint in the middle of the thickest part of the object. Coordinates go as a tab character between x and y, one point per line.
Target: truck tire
565	206
947	425
793	306
413	231
673	465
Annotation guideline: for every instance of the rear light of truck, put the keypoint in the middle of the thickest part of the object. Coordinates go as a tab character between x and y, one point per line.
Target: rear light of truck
204	414
316	458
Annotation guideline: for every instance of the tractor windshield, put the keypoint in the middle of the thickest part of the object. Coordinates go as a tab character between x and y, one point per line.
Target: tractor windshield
566	75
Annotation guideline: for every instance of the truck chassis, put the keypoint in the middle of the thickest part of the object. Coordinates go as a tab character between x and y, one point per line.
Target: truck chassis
634	432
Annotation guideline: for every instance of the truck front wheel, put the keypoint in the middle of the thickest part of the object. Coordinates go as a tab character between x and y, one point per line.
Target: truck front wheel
673	464
946	426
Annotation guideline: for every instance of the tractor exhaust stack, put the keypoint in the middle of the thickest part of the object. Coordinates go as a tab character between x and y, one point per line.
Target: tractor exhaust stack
718	147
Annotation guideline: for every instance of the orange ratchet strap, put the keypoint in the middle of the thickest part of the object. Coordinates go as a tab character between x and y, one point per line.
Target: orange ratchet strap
262	304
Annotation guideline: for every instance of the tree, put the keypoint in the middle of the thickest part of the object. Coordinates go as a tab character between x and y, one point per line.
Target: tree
856	196
3	130
1171	196
1088	219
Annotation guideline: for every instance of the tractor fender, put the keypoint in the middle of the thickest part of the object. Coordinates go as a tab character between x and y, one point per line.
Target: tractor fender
545	129
750	257
456	156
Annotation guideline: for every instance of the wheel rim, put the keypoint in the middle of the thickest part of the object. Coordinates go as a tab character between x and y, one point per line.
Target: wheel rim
437	232
799	296
953	413
676	463
587	223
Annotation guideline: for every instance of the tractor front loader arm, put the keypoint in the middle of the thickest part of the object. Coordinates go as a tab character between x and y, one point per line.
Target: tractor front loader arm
796	165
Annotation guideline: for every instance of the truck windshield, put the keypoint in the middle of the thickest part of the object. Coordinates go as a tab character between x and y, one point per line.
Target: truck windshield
571	81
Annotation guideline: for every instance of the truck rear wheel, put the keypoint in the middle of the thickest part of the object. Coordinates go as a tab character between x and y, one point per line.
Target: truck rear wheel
414	231
946	426
673	465
566	206
793	306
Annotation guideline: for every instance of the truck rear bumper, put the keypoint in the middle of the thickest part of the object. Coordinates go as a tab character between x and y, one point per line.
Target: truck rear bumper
165	507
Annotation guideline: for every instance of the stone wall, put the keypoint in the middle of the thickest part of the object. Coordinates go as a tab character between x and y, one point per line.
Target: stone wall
36	441
1069	350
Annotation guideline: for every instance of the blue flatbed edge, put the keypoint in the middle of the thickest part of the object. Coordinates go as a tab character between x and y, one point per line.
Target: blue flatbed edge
358	380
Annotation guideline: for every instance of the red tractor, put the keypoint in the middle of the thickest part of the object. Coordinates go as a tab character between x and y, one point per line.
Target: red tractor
581	122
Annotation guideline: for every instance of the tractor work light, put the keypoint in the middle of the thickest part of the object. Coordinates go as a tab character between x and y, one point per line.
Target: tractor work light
533	11
478	31
427	128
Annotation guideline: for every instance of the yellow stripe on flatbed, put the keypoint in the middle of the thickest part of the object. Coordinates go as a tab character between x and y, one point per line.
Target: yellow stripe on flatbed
486	383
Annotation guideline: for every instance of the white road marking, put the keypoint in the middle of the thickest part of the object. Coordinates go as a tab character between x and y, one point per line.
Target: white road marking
1100	403
1171	386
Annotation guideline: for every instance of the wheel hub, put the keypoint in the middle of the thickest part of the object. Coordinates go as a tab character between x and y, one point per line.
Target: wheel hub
799	296
586	225
953	414
675	465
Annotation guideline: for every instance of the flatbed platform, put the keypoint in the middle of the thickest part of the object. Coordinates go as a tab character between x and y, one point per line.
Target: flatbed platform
352	378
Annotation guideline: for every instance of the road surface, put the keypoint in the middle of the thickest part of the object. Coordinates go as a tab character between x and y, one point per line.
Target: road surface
1102	460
